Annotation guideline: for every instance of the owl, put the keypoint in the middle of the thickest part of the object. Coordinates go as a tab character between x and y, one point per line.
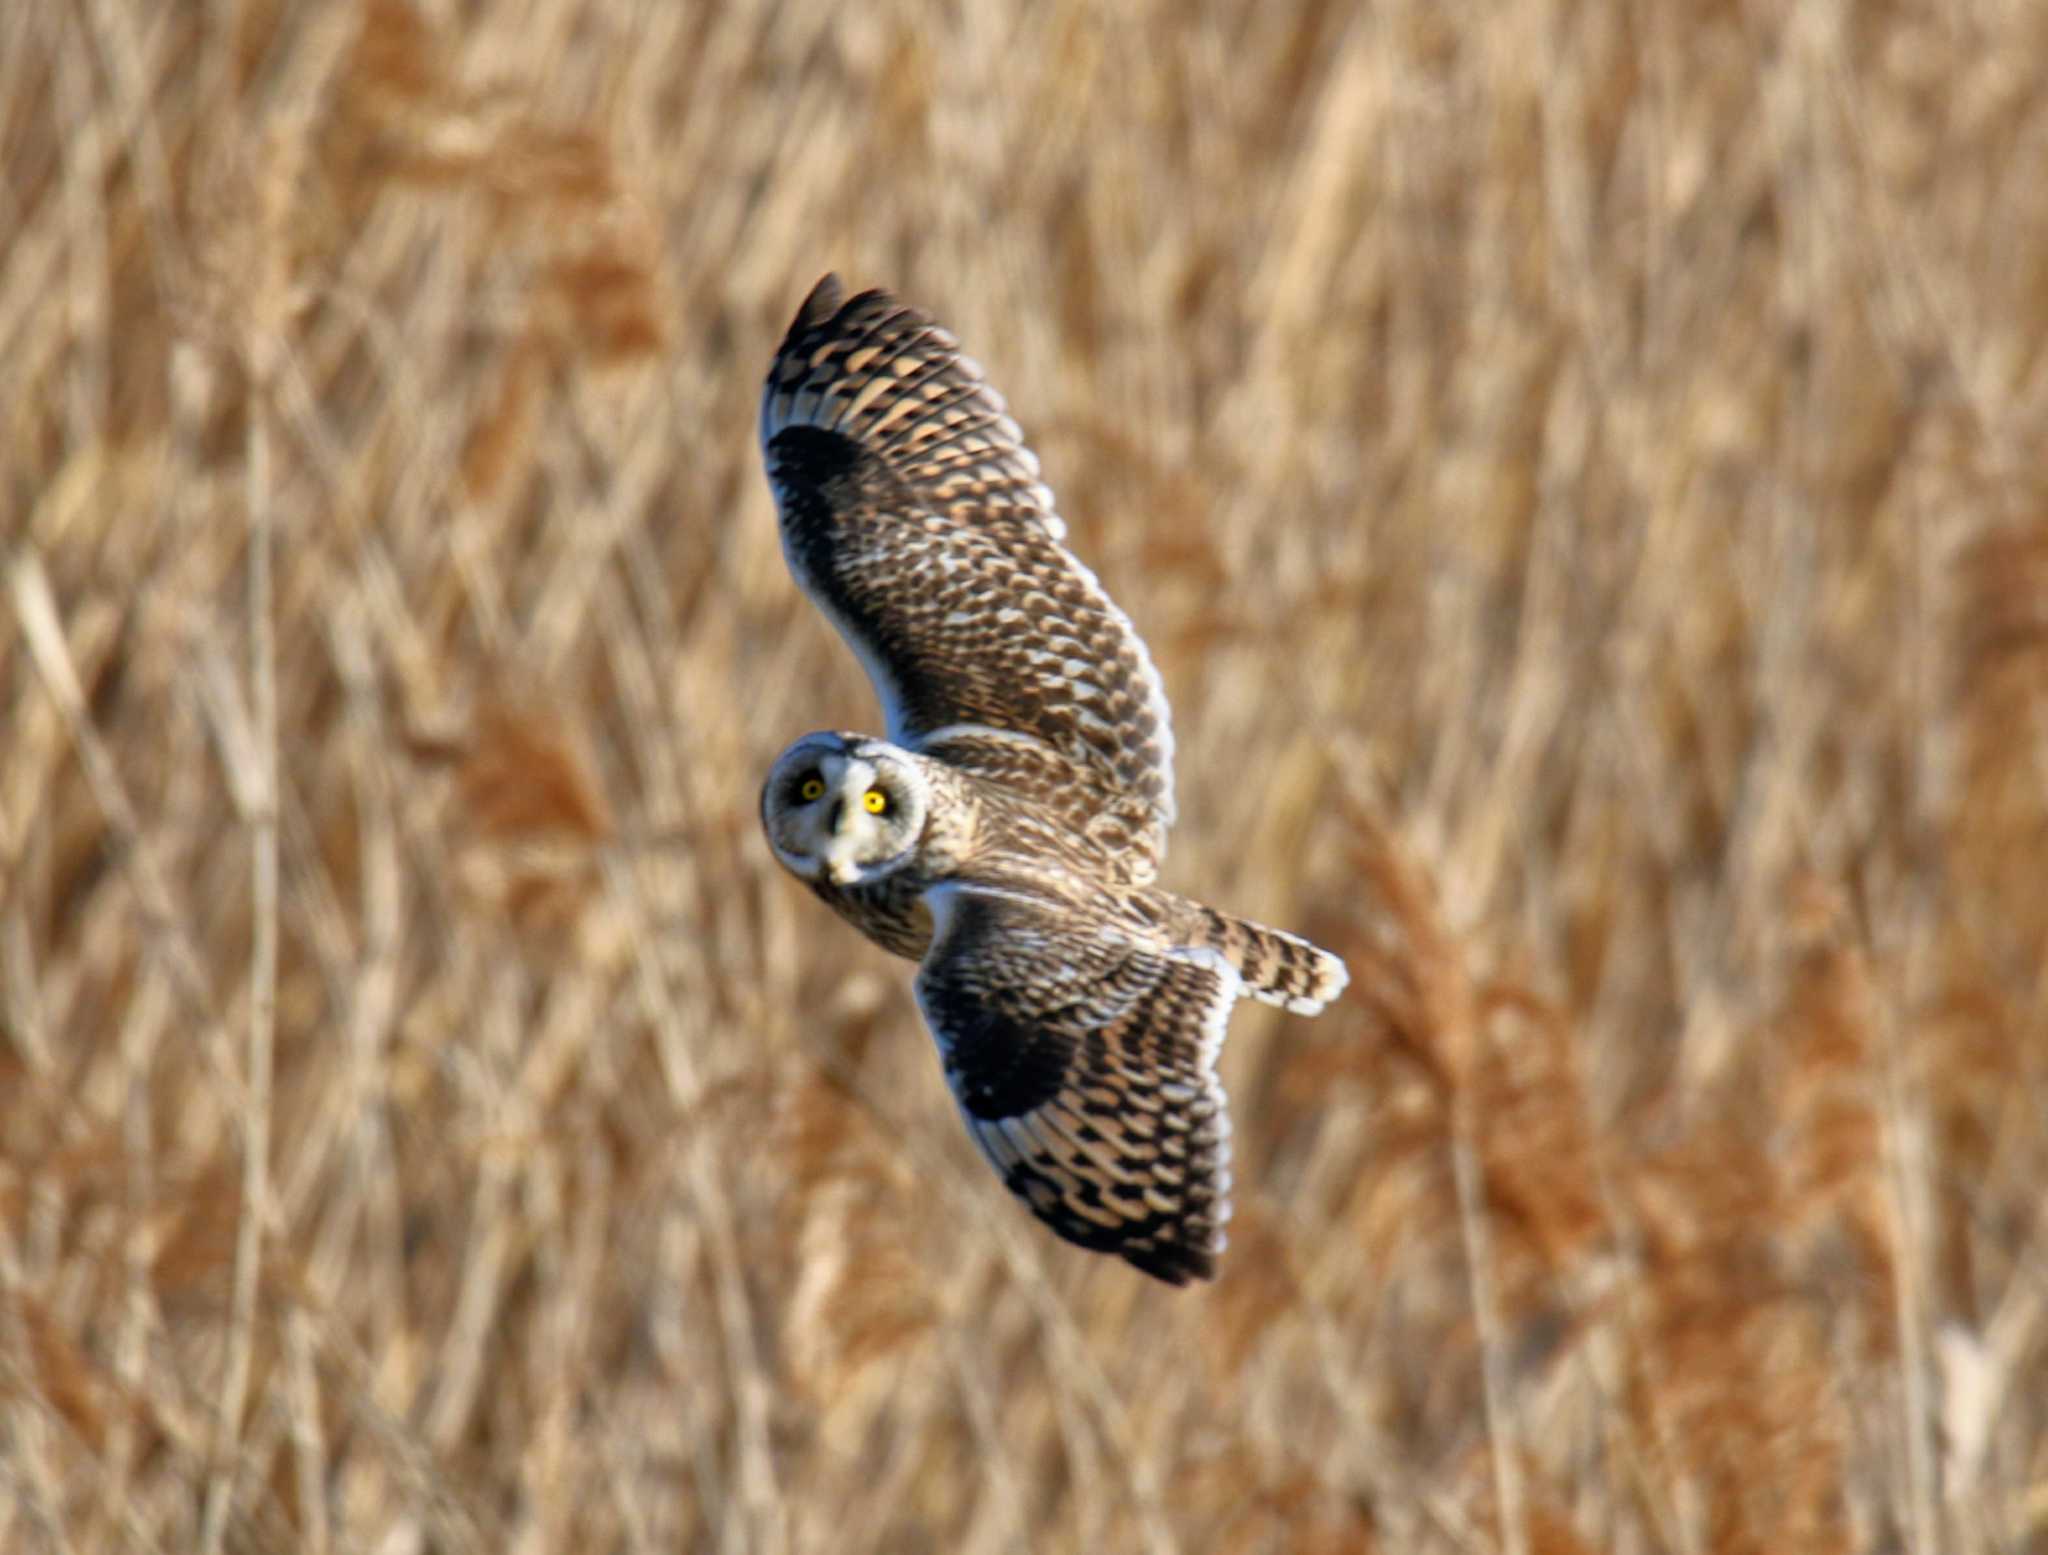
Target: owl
1006	831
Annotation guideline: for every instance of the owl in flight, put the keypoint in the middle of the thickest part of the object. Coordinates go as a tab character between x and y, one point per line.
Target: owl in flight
1006	830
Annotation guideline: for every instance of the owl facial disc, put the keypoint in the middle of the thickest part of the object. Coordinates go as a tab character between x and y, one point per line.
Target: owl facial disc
842	809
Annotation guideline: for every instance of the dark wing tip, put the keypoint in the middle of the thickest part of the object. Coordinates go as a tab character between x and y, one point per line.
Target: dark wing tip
821	304
1177	1263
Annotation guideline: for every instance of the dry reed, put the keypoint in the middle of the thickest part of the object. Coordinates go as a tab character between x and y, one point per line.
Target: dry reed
1575	467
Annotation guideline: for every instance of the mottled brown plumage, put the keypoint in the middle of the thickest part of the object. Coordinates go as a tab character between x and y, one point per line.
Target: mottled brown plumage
1007	831
902	480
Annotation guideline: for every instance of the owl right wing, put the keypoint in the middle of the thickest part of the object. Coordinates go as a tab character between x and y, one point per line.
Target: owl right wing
913	515
1084	1064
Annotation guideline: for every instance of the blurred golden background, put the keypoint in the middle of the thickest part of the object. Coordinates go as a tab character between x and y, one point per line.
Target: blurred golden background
1577	469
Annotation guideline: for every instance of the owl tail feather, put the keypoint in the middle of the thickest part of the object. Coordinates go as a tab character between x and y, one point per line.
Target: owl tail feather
1277	967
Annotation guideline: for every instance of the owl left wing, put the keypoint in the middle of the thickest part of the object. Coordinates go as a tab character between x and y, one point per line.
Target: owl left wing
913	516
1084	1064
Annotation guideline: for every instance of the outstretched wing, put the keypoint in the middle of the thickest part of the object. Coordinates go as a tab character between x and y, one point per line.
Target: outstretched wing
1085	1066
913	515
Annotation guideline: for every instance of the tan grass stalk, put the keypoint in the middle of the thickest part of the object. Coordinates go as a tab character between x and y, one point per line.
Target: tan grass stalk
1093	1397
163	916
1909	1172
1431	1000
42	1429
763	1526
1502	1434
264	346
309	1445
140	1035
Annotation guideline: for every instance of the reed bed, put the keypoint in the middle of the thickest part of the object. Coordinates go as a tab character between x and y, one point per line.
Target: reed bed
1577	469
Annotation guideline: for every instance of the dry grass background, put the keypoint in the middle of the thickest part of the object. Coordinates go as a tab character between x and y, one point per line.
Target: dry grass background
1578	472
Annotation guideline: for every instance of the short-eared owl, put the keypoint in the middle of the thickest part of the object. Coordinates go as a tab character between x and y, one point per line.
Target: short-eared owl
1007	829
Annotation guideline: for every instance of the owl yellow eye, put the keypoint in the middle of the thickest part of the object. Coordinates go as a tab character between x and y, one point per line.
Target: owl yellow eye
812	787
876	801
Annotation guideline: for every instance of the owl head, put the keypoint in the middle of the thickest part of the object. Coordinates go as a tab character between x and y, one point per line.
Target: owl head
843	808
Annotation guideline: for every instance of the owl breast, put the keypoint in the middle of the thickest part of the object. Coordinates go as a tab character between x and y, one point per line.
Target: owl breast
890	911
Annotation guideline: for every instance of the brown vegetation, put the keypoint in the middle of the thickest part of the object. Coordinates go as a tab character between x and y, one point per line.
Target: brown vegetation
1578	471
